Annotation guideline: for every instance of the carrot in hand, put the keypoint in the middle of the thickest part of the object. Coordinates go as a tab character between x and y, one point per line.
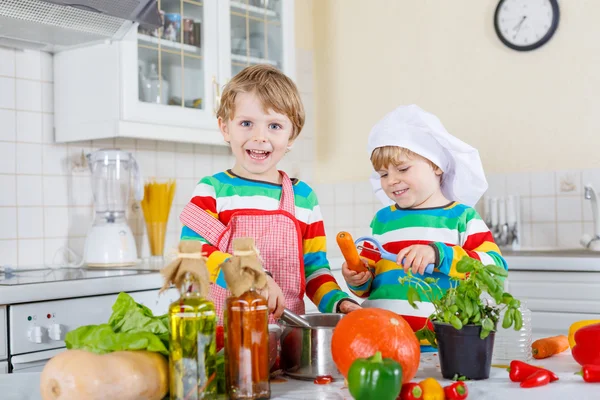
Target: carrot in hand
346	244
547	347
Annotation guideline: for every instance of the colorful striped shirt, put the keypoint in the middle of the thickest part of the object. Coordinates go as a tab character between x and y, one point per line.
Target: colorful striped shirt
223	194
455	231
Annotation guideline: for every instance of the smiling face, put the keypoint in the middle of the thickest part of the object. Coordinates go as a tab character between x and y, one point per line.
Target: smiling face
259	138
411	181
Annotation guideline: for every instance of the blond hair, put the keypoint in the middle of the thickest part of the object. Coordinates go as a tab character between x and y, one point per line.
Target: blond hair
274	90
382	157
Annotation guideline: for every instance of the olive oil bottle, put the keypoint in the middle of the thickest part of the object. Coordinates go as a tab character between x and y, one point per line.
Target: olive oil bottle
192	360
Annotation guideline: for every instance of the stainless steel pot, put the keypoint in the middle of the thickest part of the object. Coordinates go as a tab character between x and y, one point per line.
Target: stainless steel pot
306	352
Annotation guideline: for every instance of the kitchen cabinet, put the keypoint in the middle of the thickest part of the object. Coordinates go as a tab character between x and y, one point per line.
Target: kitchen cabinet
165	84
557	298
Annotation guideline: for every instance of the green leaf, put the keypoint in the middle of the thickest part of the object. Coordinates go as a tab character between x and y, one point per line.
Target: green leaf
130	327
518	319
484	333
496	270
469	310
101	339
477	317
456	322
447	315
430	280
508	318
515	303
412	297
466	264
487	324
426	334
506	298
131	317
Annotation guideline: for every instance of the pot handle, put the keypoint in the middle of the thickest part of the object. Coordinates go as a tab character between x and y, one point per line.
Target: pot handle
294	319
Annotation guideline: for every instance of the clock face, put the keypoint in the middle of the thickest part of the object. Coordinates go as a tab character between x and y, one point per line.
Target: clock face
526	24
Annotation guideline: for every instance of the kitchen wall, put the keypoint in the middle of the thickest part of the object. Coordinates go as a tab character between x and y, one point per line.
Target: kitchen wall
45	192
532	111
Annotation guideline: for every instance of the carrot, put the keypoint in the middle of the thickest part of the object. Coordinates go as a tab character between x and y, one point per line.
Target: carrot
346	244
547	347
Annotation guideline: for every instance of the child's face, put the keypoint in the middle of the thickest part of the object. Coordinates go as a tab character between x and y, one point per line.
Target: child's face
413	183
258	140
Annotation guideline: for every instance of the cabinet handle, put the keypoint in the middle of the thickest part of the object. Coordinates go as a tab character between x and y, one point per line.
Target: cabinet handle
216	95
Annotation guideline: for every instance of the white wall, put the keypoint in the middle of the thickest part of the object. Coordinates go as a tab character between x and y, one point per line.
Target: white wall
534	111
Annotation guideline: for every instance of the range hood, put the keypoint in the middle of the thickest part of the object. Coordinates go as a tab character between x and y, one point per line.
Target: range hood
54	25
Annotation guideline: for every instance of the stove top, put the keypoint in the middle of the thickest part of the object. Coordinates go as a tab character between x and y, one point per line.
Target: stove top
27	277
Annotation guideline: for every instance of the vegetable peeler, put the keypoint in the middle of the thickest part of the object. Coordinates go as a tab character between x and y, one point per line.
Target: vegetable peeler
383	253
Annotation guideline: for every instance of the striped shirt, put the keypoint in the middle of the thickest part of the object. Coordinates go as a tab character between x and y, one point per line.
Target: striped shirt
455	231
224	194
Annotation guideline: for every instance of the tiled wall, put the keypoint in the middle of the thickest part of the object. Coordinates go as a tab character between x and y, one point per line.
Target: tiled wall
554	213
45	196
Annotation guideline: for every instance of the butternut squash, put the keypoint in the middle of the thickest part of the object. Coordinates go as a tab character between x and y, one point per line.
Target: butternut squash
124	375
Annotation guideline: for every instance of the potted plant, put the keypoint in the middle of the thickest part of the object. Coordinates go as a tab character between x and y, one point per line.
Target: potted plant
464	323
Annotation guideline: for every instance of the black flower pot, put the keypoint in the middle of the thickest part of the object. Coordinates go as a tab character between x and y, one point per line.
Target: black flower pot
462	352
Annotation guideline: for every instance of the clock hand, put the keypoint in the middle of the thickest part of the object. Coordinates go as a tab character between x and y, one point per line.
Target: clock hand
518	26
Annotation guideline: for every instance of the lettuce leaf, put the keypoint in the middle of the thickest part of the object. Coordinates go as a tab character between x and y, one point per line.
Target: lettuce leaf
101	339
131	326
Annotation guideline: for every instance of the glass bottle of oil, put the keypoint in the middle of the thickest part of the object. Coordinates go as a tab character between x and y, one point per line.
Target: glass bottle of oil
247	346
192	360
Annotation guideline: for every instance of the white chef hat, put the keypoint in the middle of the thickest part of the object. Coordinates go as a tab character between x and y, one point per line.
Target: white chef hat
421	132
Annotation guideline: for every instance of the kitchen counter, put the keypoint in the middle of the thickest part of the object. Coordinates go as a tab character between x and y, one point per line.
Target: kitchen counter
498	387
553	260
62	283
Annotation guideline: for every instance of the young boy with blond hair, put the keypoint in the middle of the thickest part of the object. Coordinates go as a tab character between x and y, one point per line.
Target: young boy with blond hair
429	182
260	116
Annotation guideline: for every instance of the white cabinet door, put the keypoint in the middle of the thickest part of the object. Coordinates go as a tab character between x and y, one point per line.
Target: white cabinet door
168	73
3	332
256	32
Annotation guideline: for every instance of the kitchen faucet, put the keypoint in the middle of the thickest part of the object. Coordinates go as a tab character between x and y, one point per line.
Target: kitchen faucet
589	241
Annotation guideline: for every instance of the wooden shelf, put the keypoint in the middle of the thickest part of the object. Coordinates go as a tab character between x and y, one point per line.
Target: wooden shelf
167	44
251	60
253	9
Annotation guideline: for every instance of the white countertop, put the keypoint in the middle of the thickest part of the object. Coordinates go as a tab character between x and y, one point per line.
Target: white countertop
498	387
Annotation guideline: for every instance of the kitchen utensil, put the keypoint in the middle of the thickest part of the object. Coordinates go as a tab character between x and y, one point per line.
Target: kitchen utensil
292	318
306	352
383	253
110	242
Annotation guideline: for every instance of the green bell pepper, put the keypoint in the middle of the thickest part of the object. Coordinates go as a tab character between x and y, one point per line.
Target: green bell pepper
375	378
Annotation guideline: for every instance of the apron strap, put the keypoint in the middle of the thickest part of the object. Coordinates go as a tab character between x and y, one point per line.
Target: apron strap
287	195
204	224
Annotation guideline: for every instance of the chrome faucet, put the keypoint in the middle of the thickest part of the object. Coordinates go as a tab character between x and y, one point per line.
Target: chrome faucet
592	242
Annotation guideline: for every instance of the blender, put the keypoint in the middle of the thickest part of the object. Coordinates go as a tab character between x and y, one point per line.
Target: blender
110	242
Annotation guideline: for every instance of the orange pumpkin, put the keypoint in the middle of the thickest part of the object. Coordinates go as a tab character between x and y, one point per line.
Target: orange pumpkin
364	332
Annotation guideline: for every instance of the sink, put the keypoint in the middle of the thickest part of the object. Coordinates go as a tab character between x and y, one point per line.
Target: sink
553	253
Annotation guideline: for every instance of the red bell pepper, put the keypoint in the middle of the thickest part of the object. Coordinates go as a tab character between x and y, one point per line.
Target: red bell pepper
587	345
590	373
456	391
519	371
411	391
539	378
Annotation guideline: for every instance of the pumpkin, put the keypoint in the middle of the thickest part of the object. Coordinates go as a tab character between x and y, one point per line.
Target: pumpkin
124	375
364	332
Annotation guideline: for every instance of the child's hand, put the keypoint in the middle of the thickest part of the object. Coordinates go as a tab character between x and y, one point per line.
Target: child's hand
417	257
354	278
274	297
347	307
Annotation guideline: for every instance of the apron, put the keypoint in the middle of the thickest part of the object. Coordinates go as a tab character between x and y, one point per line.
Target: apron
277	236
